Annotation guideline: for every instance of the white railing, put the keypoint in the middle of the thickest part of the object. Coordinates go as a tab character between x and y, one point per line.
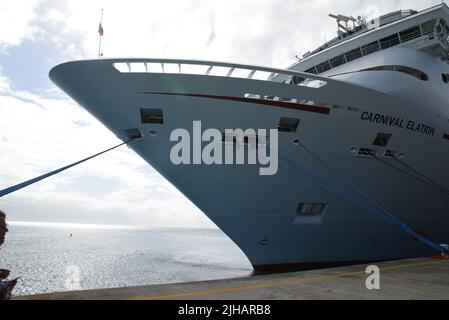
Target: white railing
218	69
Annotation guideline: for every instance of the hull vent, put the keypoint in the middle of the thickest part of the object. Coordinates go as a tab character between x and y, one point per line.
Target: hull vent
392	154
288	125
133	134
366	153
382	139
154	116
310	212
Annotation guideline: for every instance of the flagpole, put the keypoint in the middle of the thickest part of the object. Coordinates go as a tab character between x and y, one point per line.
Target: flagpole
101	36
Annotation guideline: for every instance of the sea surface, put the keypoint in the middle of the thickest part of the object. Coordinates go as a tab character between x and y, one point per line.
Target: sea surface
64	257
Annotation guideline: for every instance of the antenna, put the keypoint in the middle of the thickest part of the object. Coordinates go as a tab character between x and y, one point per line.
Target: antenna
101	32
344	28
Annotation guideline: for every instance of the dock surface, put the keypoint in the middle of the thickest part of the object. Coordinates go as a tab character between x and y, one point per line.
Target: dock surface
423	278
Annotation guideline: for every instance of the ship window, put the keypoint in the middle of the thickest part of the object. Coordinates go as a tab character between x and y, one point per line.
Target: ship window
364	152
391	154
445	77
151	115
427	27
133	134
353	109
353	55
252	96
389	41
338	61
382	139
371	48
323	67
288	125
311	70
311	209
297	80
407	70
410	34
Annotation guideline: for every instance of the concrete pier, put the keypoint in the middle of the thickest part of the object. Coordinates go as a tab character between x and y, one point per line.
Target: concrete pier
423	278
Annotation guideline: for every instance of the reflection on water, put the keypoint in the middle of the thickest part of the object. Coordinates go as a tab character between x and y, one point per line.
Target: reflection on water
47	256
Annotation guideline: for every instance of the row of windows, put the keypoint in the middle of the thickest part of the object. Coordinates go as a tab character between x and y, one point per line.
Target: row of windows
445	77
426	28
208	69
407	70
275	98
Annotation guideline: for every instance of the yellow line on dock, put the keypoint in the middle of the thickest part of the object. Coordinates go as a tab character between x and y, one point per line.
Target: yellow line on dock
283	283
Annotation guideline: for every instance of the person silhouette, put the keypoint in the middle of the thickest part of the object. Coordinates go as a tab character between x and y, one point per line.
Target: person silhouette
6	287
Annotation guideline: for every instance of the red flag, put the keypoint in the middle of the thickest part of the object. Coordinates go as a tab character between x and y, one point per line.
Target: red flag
100	30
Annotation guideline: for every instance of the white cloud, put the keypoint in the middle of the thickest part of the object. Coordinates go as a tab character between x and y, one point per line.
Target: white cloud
257	31
269	32
15	17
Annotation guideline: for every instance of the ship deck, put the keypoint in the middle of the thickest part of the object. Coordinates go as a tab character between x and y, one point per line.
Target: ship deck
423	278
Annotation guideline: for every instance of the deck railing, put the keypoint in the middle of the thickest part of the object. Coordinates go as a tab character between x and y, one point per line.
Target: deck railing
423	31
218	69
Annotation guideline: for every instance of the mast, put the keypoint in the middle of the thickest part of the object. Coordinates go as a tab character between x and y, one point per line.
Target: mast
100	31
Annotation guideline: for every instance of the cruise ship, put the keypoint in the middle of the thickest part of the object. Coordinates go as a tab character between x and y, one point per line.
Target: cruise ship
363	129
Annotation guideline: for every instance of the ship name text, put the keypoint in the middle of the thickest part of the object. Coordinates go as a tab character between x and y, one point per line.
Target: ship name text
398	122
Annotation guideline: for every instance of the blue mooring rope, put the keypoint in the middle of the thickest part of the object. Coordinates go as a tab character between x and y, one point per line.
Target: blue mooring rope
22	185
380	212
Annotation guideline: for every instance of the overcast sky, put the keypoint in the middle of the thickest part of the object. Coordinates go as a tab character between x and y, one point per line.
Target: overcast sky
42	129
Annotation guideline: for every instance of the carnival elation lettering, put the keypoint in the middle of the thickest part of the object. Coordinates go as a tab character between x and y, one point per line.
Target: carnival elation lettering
398	122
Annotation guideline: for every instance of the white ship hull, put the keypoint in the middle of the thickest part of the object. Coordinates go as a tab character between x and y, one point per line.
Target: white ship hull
259	213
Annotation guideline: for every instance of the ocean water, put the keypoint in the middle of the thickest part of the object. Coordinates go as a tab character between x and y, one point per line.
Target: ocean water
48	259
